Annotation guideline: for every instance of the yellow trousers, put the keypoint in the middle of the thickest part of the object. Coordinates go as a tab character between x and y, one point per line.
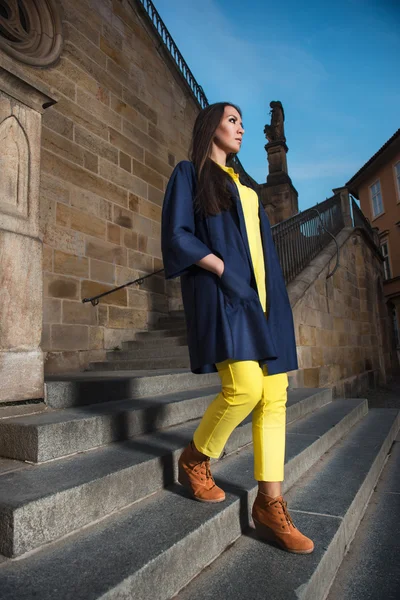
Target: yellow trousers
246	387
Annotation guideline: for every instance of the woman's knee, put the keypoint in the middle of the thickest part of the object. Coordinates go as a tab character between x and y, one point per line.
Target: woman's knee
242	383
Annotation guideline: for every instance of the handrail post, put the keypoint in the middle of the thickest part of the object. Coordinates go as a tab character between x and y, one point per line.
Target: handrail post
345	205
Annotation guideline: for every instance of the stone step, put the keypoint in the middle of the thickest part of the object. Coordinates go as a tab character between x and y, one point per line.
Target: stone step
46	502
155	547
57	433
171	323
370	570
327	504
166	362
161	333
167	342
148	353
80	389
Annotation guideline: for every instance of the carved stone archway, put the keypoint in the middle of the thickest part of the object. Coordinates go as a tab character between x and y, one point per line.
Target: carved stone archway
31	31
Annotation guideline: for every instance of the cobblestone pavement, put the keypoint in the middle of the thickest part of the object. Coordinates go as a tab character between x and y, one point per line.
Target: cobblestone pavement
385	396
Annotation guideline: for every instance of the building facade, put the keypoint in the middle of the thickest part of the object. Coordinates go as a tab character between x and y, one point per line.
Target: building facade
377	186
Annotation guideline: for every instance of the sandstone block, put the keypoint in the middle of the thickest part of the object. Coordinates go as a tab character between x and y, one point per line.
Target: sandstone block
78	313
131	240
81	78
92	288
86	21
158	303
58	123
57	286
62	146
68	241
150	210
149	175
125	162
126	145
317	356
121	318
89	45
91	161
154	247
143	140
113	233
154	284
54	189
91	203
68	264
123	217
311	377
60	362
96	144
306	335
58	167
69	337
156	230
96	338
51	310
99	110
142	244
157	164
155	195
121	178
82	117
129	113
106	251
304	357
134	203
102	315
102	271
142	225
138	299
80	221
140	106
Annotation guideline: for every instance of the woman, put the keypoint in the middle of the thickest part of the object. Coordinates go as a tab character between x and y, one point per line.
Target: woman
217	238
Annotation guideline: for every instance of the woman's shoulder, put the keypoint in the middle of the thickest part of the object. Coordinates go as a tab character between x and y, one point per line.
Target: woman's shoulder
185	166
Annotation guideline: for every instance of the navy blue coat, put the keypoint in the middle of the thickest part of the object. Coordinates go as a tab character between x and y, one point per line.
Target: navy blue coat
224	316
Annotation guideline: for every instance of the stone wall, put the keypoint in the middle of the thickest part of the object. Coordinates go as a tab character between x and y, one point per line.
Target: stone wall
122	121
343	329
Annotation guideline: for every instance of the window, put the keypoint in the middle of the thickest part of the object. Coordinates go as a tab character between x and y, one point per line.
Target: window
376	196
397	177
386	264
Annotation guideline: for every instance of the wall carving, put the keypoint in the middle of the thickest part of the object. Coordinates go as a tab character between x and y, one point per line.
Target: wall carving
31	31
14	168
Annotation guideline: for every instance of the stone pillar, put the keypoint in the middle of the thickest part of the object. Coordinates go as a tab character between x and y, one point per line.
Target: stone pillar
21	358
278	195
345	202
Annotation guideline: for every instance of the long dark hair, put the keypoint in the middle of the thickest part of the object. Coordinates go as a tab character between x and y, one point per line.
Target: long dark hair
213	195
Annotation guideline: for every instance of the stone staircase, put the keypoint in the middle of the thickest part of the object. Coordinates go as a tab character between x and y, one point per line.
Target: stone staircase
90	508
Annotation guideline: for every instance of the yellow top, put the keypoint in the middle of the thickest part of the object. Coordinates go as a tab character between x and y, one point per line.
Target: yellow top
249	200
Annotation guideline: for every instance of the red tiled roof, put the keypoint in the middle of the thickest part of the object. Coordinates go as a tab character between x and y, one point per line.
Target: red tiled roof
375	156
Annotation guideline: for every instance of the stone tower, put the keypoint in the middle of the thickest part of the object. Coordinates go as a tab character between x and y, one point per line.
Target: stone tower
278	195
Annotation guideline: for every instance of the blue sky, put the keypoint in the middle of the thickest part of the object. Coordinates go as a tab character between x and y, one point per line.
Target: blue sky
333	65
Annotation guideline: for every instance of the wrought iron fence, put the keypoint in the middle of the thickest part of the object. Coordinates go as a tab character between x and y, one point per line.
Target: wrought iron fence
300	238
166	38
360	220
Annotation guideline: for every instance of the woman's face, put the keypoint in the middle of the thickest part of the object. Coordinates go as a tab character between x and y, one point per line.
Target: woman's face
229	133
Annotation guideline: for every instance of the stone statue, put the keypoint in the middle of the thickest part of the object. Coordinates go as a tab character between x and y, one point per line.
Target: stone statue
276	132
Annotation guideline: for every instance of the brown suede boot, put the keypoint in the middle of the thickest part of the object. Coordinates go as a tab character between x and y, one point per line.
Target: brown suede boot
274	524
195	475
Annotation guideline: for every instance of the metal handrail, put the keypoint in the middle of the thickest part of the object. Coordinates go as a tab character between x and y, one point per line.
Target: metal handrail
360	220
168	42
95	299
300	238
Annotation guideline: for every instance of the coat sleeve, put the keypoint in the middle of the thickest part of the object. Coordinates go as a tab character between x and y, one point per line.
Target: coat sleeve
179	244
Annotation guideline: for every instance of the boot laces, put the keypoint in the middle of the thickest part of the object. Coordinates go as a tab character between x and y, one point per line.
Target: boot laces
204	466
283	505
